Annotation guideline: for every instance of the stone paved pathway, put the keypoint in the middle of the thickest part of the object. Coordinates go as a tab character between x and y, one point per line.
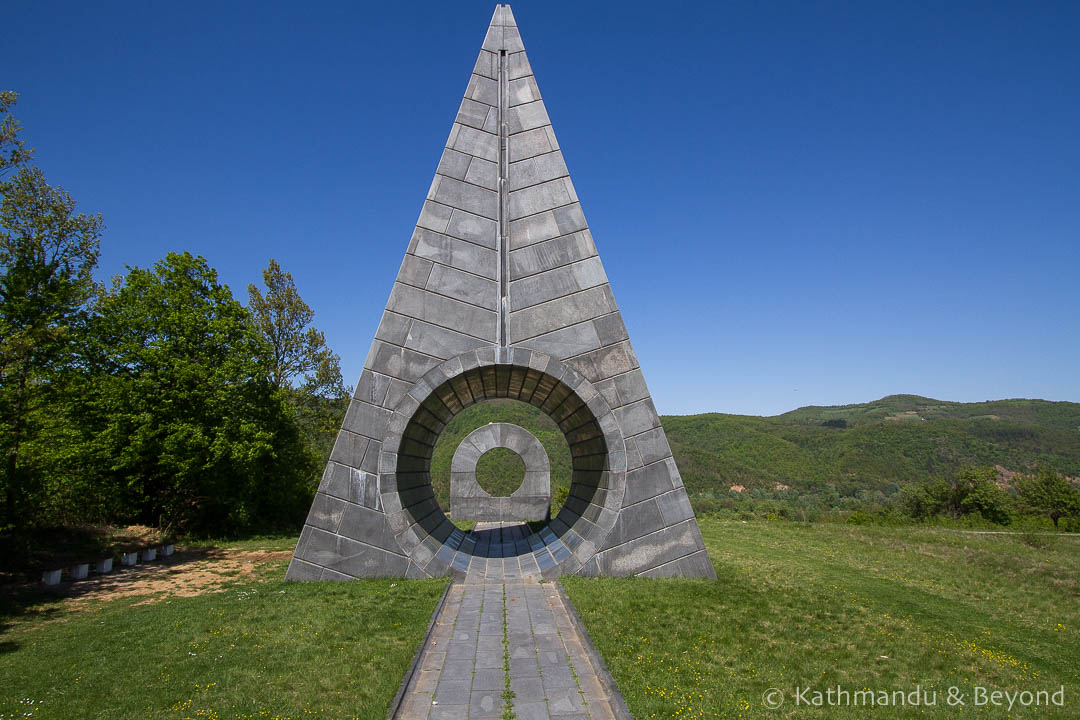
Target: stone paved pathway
511	633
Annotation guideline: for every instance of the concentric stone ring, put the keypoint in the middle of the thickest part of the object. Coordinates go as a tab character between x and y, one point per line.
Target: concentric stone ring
597	450
530	501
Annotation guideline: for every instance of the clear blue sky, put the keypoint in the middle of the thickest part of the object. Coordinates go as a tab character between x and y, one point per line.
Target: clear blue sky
797	203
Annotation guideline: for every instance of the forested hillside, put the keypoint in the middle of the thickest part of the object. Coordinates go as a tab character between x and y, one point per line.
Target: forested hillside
876	446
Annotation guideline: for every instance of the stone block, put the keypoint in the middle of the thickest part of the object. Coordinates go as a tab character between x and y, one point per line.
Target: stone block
128	559
646	482
696	565
517	66
631	386
471	114
452	251
635	521
483	173
443	311
522	90
511	40
434	216
470	198
537	169
487	64
455	164
475	229
529	116
366	419
649	551
483	90
302	571
414	271
637	417
326	512
675	505
525	145
103	566
439	342
368	526
652	445
349	448
79	572
472	141
149	554
557	314
464	286
51	577
556	283
351	558
539	198
551	254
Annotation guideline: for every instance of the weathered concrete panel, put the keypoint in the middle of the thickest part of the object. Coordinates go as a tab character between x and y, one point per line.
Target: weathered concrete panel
557	314
551	254
455	253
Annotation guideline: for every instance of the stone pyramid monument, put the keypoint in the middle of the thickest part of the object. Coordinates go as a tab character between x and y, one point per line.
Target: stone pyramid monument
501	295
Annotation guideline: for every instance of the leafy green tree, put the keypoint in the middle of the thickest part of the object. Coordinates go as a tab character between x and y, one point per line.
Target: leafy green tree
973	490
976	491
184	418
47	255
1047	493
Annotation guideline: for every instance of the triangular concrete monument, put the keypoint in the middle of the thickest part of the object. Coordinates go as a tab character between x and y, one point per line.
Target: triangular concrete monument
501	295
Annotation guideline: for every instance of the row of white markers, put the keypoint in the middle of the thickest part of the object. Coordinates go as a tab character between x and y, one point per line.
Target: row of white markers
101	567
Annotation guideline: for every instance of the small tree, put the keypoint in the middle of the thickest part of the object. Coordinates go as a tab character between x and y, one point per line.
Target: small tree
303	367
300	354
1047	493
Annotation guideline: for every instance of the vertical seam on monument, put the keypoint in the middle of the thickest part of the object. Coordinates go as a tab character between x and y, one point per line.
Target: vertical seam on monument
504	201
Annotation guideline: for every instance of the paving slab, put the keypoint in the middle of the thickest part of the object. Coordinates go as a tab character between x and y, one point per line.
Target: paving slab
516	634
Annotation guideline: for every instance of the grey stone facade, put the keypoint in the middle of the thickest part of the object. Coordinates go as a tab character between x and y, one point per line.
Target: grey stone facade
501	295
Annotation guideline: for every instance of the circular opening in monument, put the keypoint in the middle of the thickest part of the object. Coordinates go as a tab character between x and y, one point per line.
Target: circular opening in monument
583	417
504	410
500	472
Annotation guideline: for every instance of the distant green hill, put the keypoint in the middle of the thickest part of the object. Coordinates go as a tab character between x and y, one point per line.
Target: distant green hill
879	445
838	451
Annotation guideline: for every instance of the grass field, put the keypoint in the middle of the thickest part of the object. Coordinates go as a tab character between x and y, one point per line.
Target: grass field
796	606
825	606
255	647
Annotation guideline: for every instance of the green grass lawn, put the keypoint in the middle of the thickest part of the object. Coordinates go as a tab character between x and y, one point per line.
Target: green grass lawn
826	605
261	648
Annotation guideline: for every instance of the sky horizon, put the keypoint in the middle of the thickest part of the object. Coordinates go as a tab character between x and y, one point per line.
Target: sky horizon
795	205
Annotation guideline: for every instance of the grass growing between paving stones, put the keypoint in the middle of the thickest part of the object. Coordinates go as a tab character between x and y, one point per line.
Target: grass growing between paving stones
258	648
507	694
824	605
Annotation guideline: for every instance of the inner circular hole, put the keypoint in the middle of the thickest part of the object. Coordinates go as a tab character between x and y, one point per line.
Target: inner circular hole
500	471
